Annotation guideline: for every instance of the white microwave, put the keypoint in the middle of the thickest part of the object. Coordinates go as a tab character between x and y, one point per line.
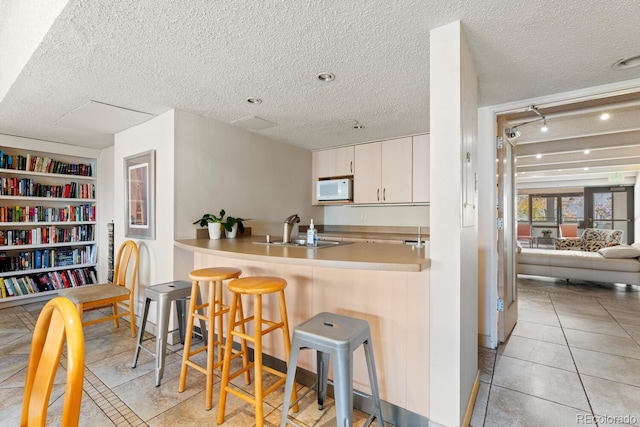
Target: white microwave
335	189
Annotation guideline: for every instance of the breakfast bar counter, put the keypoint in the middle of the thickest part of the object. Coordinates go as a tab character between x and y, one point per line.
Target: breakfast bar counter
385	284
363	256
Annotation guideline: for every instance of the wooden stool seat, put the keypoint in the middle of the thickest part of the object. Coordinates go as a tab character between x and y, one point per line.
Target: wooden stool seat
256	287
216	310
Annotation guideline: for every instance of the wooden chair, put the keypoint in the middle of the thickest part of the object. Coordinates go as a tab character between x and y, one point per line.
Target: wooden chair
58	320
121	291
568	231
524	233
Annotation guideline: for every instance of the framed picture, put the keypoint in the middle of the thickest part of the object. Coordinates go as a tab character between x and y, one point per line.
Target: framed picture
139	206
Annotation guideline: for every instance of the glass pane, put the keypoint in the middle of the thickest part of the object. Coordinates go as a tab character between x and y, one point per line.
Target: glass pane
522	208
572	209
603	225
543	214
602	207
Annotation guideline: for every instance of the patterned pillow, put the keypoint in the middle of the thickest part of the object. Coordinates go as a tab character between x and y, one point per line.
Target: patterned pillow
594	239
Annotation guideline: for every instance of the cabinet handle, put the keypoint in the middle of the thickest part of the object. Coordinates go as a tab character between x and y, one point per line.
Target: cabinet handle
351	166
378	196
384	195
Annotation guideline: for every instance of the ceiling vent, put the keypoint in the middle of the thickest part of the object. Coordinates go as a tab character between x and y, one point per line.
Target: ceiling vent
253	123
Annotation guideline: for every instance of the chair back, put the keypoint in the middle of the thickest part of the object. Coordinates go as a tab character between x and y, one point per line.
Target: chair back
524	231
128	252
58	319
568	230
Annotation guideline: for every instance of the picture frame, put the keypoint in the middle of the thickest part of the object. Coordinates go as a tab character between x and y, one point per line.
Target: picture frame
139	206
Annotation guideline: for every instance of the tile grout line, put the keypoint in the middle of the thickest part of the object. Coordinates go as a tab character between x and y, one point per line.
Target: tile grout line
586	395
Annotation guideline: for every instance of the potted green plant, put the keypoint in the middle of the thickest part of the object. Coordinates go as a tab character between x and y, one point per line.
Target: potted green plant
232	226
214	223
546	234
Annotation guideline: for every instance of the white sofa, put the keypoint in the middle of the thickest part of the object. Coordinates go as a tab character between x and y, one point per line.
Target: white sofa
580	265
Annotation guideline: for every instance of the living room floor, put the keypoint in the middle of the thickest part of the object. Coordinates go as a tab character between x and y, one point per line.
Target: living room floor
573	358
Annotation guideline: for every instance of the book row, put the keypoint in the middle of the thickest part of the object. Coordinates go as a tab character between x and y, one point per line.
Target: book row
42	282
47	258
48	214
34	163
47	235
26	187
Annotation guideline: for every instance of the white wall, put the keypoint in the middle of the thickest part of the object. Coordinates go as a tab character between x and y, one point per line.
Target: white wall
106	211
377	216
636	209
454	246
156	256
220	166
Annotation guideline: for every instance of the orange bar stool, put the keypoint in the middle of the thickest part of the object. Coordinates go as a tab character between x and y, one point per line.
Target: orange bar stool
216	310
256	286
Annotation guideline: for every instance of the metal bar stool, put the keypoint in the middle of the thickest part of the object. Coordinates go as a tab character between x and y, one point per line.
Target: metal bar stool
256	286
163	294
336	336
216	310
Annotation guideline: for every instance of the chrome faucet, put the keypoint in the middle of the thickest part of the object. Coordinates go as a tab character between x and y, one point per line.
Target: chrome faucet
288	227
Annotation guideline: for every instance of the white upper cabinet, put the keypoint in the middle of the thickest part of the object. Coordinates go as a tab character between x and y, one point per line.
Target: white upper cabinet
337	162
384	172
421	169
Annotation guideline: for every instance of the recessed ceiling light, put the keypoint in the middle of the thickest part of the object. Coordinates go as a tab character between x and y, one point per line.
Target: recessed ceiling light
626	63
538	156
326	77
358	127
587	151
253	100
604	116
586	169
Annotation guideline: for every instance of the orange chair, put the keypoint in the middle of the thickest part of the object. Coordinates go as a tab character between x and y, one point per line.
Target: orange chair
121	291
58	319
524	233
568	231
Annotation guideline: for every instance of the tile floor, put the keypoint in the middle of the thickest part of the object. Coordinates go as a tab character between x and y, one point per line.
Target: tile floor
572	359
116	394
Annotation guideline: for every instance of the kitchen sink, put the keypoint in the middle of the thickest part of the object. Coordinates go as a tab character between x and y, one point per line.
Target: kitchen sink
303	244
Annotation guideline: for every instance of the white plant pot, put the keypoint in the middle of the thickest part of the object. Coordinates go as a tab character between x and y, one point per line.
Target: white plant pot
232	234
215	230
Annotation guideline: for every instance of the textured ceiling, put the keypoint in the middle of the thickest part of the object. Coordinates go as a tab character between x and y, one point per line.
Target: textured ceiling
208	57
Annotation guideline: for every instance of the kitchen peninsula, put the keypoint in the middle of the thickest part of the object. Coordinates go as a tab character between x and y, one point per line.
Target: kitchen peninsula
385	284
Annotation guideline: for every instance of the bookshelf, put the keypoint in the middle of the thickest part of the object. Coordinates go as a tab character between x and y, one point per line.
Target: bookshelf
48	227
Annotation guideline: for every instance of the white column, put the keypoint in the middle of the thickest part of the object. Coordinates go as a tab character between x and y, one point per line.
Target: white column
454	243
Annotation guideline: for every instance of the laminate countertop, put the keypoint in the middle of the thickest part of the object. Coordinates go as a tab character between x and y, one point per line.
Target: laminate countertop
358	256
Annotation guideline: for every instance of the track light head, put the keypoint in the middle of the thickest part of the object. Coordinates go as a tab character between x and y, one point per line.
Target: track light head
512	132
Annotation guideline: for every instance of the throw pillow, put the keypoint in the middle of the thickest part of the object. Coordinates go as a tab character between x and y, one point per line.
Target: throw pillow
620	251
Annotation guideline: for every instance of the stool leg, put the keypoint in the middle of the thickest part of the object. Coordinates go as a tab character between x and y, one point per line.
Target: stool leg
180	310
243	345
322	367
291	379
257	358
226	361
217	300
286	337
187	342
373	380
343	387
211	345
161	337
145	313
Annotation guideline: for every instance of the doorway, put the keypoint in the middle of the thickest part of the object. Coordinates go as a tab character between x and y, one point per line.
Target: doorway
610	208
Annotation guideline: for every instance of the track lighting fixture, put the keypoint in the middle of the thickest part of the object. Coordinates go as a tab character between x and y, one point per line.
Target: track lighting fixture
544	127
513	132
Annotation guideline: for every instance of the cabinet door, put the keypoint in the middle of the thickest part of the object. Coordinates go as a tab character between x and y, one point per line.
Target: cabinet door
397	180
367	179
334	163
421	168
